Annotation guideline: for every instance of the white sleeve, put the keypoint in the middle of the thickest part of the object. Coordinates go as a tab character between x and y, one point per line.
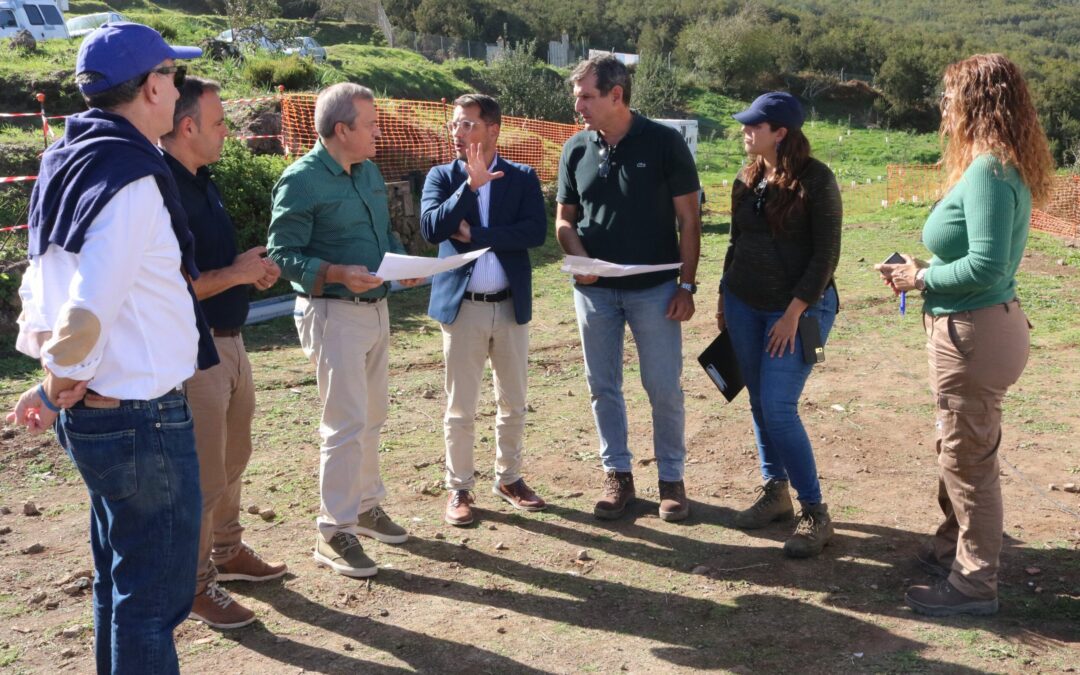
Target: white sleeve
32	321
111	254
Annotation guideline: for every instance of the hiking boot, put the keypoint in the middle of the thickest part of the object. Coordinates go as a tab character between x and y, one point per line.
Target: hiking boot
246	565
814	530
942	599
217	609
519	495
344	554
674	505
773	503
459	508
376	524
929	563
618	492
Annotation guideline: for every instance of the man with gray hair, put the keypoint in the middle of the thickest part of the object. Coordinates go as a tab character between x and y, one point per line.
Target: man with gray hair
329	229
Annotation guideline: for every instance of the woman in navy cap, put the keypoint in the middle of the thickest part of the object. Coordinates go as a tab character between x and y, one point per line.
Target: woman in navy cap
777	293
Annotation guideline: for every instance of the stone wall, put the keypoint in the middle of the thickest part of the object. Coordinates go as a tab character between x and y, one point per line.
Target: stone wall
405	218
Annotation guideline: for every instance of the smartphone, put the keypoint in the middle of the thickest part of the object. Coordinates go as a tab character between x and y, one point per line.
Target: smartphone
894	259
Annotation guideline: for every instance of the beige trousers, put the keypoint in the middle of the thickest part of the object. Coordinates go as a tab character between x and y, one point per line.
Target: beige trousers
222	401
482	331
974	357
349	344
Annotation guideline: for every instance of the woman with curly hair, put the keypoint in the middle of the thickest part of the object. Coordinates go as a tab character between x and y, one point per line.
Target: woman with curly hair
778	273
997	164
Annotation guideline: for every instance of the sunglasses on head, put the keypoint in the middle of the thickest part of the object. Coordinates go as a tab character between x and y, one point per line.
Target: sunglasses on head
179	74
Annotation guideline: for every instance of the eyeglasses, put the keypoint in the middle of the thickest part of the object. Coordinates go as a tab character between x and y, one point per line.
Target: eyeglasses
179	74
605	161
467	125
759	192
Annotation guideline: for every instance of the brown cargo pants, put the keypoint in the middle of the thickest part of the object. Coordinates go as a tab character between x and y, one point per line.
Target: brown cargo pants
974	357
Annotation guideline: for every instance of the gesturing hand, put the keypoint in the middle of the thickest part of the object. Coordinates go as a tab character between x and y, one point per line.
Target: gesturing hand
477	168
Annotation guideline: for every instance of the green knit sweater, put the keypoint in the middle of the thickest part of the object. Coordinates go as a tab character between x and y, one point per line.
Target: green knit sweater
977	234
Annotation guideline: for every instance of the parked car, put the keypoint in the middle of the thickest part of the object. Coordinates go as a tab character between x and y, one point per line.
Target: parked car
253	38
305	46
42	18
78	26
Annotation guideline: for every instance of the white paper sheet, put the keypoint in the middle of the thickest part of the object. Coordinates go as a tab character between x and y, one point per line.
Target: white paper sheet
396	267
575	264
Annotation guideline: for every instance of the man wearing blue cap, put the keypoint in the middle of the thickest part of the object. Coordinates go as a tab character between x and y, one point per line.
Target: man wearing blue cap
108	310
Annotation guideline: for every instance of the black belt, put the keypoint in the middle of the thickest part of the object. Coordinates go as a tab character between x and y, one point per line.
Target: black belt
488	297
354	300
225	332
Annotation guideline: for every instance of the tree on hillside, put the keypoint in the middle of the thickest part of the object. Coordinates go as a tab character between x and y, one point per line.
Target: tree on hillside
526	87
453	18
655	89
732	52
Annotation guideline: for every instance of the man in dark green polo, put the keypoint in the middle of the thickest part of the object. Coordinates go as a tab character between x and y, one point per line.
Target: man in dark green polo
329	228
623	183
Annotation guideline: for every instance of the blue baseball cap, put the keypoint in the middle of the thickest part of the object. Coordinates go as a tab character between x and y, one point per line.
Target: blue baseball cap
122	51
778	107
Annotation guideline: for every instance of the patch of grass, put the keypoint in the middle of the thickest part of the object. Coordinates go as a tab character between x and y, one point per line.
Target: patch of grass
9	655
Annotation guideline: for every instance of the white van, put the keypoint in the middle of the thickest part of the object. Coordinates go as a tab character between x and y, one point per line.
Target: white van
43	18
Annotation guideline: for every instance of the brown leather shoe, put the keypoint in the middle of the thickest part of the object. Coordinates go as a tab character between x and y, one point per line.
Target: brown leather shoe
217	609
519	495
459	508
674	505
618	492
942	599
248	566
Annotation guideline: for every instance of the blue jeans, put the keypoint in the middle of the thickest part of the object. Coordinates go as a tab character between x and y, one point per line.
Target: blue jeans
139	464
603	314
775	385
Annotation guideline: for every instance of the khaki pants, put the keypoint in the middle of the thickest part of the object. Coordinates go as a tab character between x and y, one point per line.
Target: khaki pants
974	357
222	401
349	344
482	331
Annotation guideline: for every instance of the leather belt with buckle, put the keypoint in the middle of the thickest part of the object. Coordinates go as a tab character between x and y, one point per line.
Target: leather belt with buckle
488	297
355	301
225	332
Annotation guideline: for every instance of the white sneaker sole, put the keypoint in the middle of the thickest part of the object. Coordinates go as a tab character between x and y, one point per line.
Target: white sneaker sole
251	577
223	626
357	572
384	538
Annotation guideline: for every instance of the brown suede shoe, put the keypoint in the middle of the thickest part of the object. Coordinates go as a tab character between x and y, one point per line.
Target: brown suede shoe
674	505
942	599
459	508
618	492
519	495
217	609
248	566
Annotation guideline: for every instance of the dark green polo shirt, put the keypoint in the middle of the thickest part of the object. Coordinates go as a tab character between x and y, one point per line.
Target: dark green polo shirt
629	217
322	214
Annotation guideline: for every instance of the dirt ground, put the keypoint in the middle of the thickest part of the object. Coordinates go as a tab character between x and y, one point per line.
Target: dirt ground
560	592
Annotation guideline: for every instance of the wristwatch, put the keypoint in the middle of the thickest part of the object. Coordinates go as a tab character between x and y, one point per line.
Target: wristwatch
689	286
920	281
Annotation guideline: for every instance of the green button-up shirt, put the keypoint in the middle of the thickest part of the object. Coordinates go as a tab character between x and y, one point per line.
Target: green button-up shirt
323	215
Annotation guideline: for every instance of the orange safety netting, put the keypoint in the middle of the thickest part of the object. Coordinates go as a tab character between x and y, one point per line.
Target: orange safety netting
414	136
923	183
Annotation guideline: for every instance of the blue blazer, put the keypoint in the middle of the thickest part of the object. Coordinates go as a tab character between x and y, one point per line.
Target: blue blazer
517	221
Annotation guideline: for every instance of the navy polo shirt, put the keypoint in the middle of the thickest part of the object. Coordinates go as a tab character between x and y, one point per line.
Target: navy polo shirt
215	242
628	217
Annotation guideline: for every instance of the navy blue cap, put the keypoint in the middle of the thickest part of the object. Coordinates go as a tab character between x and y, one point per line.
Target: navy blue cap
122	51
778	107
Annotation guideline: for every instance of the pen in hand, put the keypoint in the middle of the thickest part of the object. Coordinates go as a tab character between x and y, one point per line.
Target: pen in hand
903	303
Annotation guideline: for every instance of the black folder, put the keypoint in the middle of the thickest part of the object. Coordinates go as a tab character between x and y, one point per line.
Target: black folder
720	364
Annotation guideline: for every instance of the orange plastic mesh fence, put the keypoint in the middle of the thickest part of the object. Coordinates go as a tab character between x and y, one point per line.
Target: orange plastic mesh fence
923	183
414	136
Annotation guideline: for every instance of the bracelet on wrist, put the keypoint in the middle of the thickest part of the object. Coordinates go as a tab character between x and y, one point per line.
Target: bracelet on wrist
45	399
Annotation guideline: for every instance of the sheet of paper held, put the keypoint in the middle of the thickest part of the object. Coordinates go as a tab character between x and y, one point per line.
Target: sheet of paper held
396	267
575	264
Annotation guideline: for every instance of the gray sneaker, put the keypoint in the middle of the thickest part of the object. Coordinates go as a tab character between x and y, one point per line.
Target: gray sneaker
377	525
344	554
773	503
813	532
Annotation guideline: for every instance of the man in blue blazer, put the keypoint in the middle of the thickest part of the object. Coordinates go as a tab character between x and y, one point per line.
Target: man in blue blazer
481	200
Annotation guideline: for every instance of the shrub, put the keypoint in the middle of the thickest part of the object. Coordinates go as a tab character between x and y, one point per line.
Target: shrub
297	74
526	87
245	181
655	88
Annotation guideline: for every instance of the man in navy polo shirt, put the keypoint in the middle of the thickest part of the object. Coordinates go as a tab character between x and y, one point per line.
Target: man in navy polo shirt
628	194
222	398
